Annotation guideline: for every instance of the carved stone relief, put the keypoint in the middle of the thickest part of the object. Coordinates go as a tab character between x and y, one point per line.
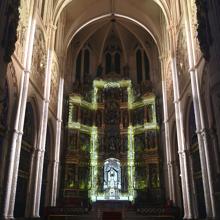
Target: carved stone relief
39	60
204	32
10	36
12	73
169	86
198	52
21	30
182	60
54	86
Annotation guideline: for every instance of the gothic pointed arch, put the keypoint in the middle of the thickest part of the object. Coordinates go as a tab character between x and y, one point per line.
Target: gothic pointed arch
27	148
196	163
46	194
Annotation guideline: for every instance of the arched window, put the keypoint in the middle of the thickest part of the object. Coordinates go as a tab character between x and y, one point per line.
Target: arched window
117	63
139	66
78	66
146	67
86	62
108	63
142	66
179	7
42	8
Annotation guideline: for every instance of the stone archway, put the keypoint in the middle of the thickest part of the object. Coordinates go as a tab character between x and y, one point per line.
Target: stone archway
25	162
196	165
46	172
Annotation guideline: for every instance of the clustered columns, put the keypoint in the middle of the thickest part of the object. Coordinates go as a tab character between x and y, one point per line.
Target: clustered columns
39	152
170	168
189	206
55	166
33	206
11	185
182	148
200	125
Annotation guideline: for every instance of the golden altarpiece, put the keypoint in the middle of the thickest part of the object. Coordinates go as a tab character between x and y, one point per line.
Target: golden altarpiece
112	137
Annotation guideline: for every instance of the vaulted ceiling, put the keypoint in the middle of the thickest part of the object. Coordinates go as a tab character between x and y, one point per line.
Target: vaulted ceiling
148	14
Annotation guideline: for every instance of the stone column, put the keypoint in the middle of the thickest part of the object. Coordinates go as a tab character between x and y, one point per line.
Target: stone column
15	147
182	149
57	143
39	159
200	125
167	134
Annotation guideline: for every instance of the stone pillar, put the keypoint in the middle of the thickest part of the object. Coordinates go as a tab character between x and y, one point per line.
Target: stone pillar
57	143
167	134
39	159
182	149
200	125
15	147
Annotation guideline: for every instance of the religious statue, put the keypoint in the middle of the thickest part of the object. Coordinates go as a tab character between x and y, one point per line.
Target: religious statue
112	178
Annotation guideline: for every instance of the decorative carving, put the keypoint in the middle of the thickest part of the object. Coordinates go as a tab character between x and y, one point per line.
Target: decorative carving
198	52
112	114
204	32
39	60
54	85
21	30
182	60
11	71
10	29
169	86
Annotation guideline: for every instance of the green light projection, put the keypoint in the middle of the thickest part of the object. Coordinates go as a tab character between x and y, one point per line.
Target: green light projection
94	164
93	131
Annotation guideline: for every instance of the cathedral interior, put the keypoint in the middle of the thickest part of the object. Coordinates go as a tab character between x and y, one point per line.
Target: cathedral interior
109	109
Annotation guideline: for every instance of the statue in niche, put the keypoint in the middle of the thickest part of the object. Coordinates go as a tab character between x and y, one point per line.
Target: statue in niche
112	178
70	177
76	86
112	144
125	119
124	95
112	139
112	114
112	93
73	140
150	113
146	86
98	118
154	176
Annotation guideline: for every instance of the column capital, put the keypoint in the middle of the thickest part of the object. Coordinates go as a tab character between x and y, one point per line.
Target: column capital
27	71
46	100
202	132
59	120
183	152
18	132
176	101
192	69
52	27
